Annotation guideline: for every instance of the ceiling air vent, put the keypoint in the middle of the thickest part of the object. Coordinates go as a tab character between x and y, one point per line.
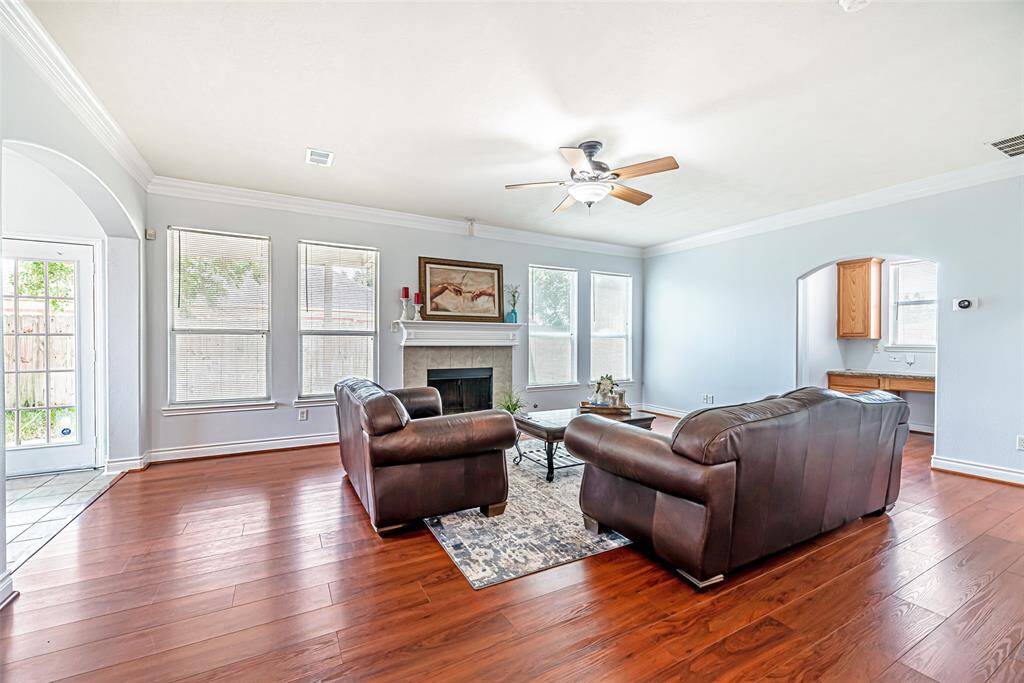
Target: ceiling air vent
1011	147
319	157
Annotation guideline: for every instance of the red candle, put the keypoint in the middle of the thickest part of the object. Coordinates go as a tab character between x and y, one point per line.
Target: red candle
417	300
405	292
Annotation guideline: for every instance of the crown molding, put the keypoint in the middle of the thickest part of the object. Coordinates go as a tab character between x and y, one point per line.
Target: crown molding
925	187
23	29
190	189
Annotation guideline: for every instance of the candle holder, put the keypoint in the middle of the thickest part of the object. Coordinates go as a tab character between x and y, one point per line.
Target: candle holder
417	307
405	308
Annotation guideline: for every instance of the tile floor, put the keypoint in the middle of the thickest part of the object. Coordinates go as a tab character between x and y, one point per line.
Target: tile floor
40	505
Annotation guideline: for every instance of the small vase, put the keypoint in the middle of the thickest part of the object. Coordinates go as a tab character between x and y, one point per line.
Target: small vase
512	316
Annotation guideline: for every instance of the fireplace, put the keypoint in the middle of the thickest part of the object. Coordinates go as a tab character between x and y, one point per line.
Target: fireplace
463	389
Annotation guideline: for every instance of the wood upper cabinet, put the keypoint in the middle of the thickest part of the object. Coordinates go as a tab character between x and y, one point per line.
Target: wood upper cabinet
859	291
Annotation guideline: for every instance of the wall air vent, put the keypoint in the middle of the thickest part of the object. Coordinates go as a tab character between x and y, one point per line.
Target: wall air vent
319	157
1011	147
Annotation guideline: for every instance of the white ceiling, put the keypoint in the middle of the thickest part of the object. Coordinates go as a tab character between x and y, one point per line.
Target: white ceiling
433	108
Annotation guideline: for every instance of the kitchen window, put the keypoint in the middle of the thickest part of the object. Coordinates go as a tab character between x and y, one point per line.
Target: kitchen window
913	297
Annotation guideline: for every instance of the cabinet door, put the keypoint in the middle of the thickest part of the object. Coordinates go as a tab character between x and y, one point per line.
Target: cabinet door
859	305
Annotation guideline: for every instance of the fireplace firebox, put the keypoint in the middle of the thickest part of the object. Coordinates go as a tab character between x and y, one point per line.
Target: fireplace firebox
463	389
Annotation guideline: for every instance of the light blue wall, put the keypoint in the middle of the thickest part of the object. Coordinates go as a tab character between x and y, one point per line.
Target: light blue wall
400	247
722	319
33	113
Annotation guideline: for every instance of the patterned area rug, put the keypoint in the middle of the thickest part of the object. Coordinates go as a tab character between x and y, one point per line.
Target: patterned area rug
542	527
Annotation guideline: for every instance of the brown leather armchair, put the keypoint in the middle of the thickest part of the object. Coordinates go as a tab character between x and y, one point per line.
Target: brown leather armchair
407	461
736	483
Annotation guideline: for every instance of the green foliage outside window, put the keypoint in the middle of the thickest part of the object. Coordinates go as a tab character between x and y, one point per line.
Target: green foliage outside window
208	278
551	295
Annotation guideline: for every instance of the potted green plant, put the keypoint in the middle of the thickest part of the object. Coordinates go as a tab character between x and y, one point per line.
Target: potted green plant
512	295
511	402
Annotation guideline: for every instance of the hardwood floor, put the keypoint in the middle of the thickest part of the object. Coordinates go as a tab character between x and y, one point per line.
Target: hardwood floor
263	567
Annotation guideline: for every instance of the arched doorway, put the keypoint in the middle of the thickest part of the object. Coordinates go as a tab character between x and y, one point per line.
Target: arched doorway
73	249
906	346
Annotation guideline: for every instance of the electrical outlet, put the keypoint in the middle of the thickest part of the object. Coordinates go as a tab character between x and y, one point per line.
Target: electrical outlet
303	414
1020	442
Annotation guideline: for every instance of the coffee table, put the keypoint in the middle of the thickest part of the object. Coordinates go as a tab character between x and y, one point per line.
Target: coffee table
549	426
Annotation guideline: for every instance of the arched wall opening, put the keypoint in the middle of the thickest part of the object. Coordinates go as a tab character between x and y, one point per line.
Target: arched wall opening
819	349
50	197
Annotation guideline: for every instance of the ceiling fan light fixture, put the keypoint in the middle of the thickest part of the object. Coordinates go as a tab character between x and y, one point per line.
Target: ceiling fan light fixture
590	192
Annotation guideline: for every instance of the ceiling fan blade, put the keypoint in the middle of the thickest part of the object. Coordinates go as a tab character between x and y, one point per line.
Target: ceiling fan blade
564	204
628	194
647	168
548	183
577	158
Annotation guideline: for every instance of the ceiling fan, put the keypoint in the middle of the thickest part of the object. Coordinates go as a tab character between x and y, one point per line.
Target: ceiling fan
591	180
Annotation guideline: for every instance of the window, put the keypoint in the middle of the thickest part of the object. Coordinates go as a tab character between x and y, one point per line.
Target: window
219	317
552	326
40	359
611	317
913	288
337	315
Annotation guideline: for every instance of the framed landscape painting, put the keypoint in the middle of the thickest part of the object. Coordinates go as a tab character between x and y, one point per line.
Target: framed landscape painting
461	290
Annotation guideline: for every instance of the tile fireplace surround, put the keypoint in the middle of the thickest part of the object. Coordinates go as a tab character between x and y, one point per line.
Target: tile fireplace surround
447	345
419	359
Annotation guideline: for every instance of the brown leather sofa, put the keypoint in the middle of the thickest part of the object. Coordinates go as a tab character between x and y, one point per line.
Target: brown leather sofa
736	483
407	461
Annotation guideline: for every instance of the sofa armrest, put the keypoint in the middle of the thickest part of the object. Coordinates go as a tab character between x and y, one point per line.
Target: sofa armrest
419	401
639	455
444	438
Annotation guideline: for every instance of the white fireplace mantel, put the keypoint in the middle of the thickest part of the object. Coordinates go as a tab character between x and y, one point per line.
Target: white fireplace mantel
440	333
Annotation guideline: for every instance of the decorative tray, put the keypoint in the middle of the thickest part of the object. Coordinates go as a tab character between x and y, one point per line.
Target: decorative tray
586	407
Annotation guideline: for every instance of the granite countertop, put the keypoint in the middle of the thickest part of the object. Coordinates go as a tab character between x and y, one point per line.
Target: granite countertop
882	373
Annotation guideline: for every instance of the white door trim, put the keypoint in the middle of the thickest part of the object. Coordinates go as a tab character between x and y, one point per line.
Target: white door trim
100	346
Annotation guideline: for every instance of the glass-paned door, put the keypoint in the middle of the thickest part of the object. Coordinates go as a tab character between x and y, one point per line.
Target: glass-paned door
48	356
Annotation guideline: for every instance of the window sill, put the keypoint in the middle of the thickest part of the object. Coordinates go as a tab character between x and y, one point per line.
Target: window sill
553	387
200	409
310	402
909	349
618	382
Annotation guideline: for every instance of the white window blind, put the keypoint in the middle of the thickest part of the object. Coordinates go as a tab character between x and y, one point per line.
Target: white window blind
219	317
611	317
337	315
914	292
552	326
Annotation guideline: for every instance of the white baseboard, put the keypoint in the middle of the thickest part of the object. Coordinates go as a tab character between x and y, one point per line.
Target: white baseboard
115	465
975	469
6	589
232	447
662	410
